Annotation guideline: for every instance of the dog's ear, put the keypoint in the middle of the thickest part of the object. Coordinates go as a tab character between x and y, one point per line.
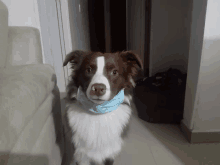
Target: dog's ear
74	57
134	66
132	59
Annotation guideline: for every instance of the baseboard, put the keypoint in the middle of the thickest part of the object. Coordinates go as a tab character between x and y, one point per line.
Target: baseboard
200	137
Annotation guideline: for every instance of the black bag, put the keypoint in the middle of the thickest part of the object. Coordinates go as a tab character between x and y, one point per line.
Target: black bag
160	99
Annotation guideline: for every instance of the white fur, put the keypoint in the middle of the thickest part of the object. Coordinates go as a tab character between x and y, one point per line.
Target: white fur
100	64
99	78
97	137
132	82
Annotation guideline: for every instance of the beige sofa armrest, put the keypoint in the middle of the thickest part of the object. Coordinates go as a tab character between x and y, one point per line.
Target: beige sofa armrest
24	46
22	90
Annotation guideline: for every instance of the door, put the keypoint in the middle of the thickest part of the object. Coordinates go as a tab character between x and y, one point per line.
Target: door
138	29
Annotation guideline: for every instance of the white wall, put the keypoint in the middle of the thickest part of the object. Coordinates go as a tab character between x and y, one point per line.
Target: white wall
194	61
207	116
23	13
170	35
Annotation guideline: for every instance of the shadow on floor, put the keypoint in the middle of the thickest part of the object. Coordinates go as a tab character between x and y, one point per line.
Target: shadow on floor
22	159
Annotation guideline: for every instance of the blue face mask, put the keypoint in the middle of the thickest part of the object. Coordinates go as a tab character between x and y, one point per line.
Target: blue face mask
107	106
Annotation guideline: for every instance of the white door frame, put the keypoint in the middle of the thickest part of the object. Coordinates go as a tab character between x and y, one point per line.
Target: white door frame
55	40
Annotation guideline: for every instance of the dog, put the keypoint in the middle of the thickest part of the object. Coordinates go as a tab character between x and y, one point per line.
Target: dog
94	136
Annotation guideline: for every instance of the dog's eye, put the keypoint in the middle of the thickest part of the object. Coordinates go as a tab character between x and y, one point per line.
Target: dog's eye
88	70
114	72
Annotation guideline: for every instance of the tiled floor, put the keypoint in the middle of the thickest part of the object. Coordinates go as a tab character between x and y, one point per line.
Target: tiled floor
159	144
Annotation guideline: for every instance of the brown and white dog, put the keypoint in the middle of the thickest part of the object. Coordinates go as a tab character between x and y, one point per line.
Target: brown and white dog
98	138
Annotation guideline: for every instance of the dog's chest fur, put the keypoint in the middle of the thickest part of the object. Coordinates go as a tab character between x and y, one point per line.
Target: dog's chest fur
98	136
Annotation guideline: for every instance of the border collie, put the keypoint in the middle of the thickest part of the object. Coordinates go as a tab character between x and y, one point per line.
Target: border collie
99	105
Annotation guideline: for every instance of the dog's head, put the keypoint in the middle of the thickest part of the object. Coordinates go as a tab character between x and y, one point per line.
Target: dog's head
102	76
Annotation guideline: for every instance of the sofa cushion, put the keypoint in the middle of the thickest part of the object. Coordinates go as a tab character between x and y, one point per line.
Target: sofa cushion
22	90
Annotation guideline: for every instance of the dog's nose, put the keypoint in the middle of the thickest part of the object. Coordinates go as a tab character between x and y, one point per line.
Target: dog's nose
98	89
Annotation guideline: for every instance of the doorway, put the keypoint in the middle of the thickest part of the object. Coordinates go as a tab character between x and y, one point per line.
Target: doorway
69	29
108	26
117	22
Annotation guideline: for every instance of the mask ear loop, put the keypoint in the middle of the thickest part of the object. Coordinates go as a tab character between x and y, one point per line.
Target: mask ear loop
77	95
127	99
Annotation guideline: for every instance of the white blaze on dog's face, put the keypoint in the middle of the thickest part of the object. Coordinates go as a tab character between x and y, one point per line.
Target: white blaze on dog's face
99	80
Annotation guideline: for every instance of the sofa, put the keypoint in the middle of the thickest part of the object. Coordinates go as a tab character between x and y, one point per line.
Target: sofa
30	112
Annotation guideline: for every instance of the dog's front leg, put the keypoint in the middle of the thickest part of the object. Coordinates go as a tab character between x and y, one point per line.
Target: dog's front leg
109	161
82	159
